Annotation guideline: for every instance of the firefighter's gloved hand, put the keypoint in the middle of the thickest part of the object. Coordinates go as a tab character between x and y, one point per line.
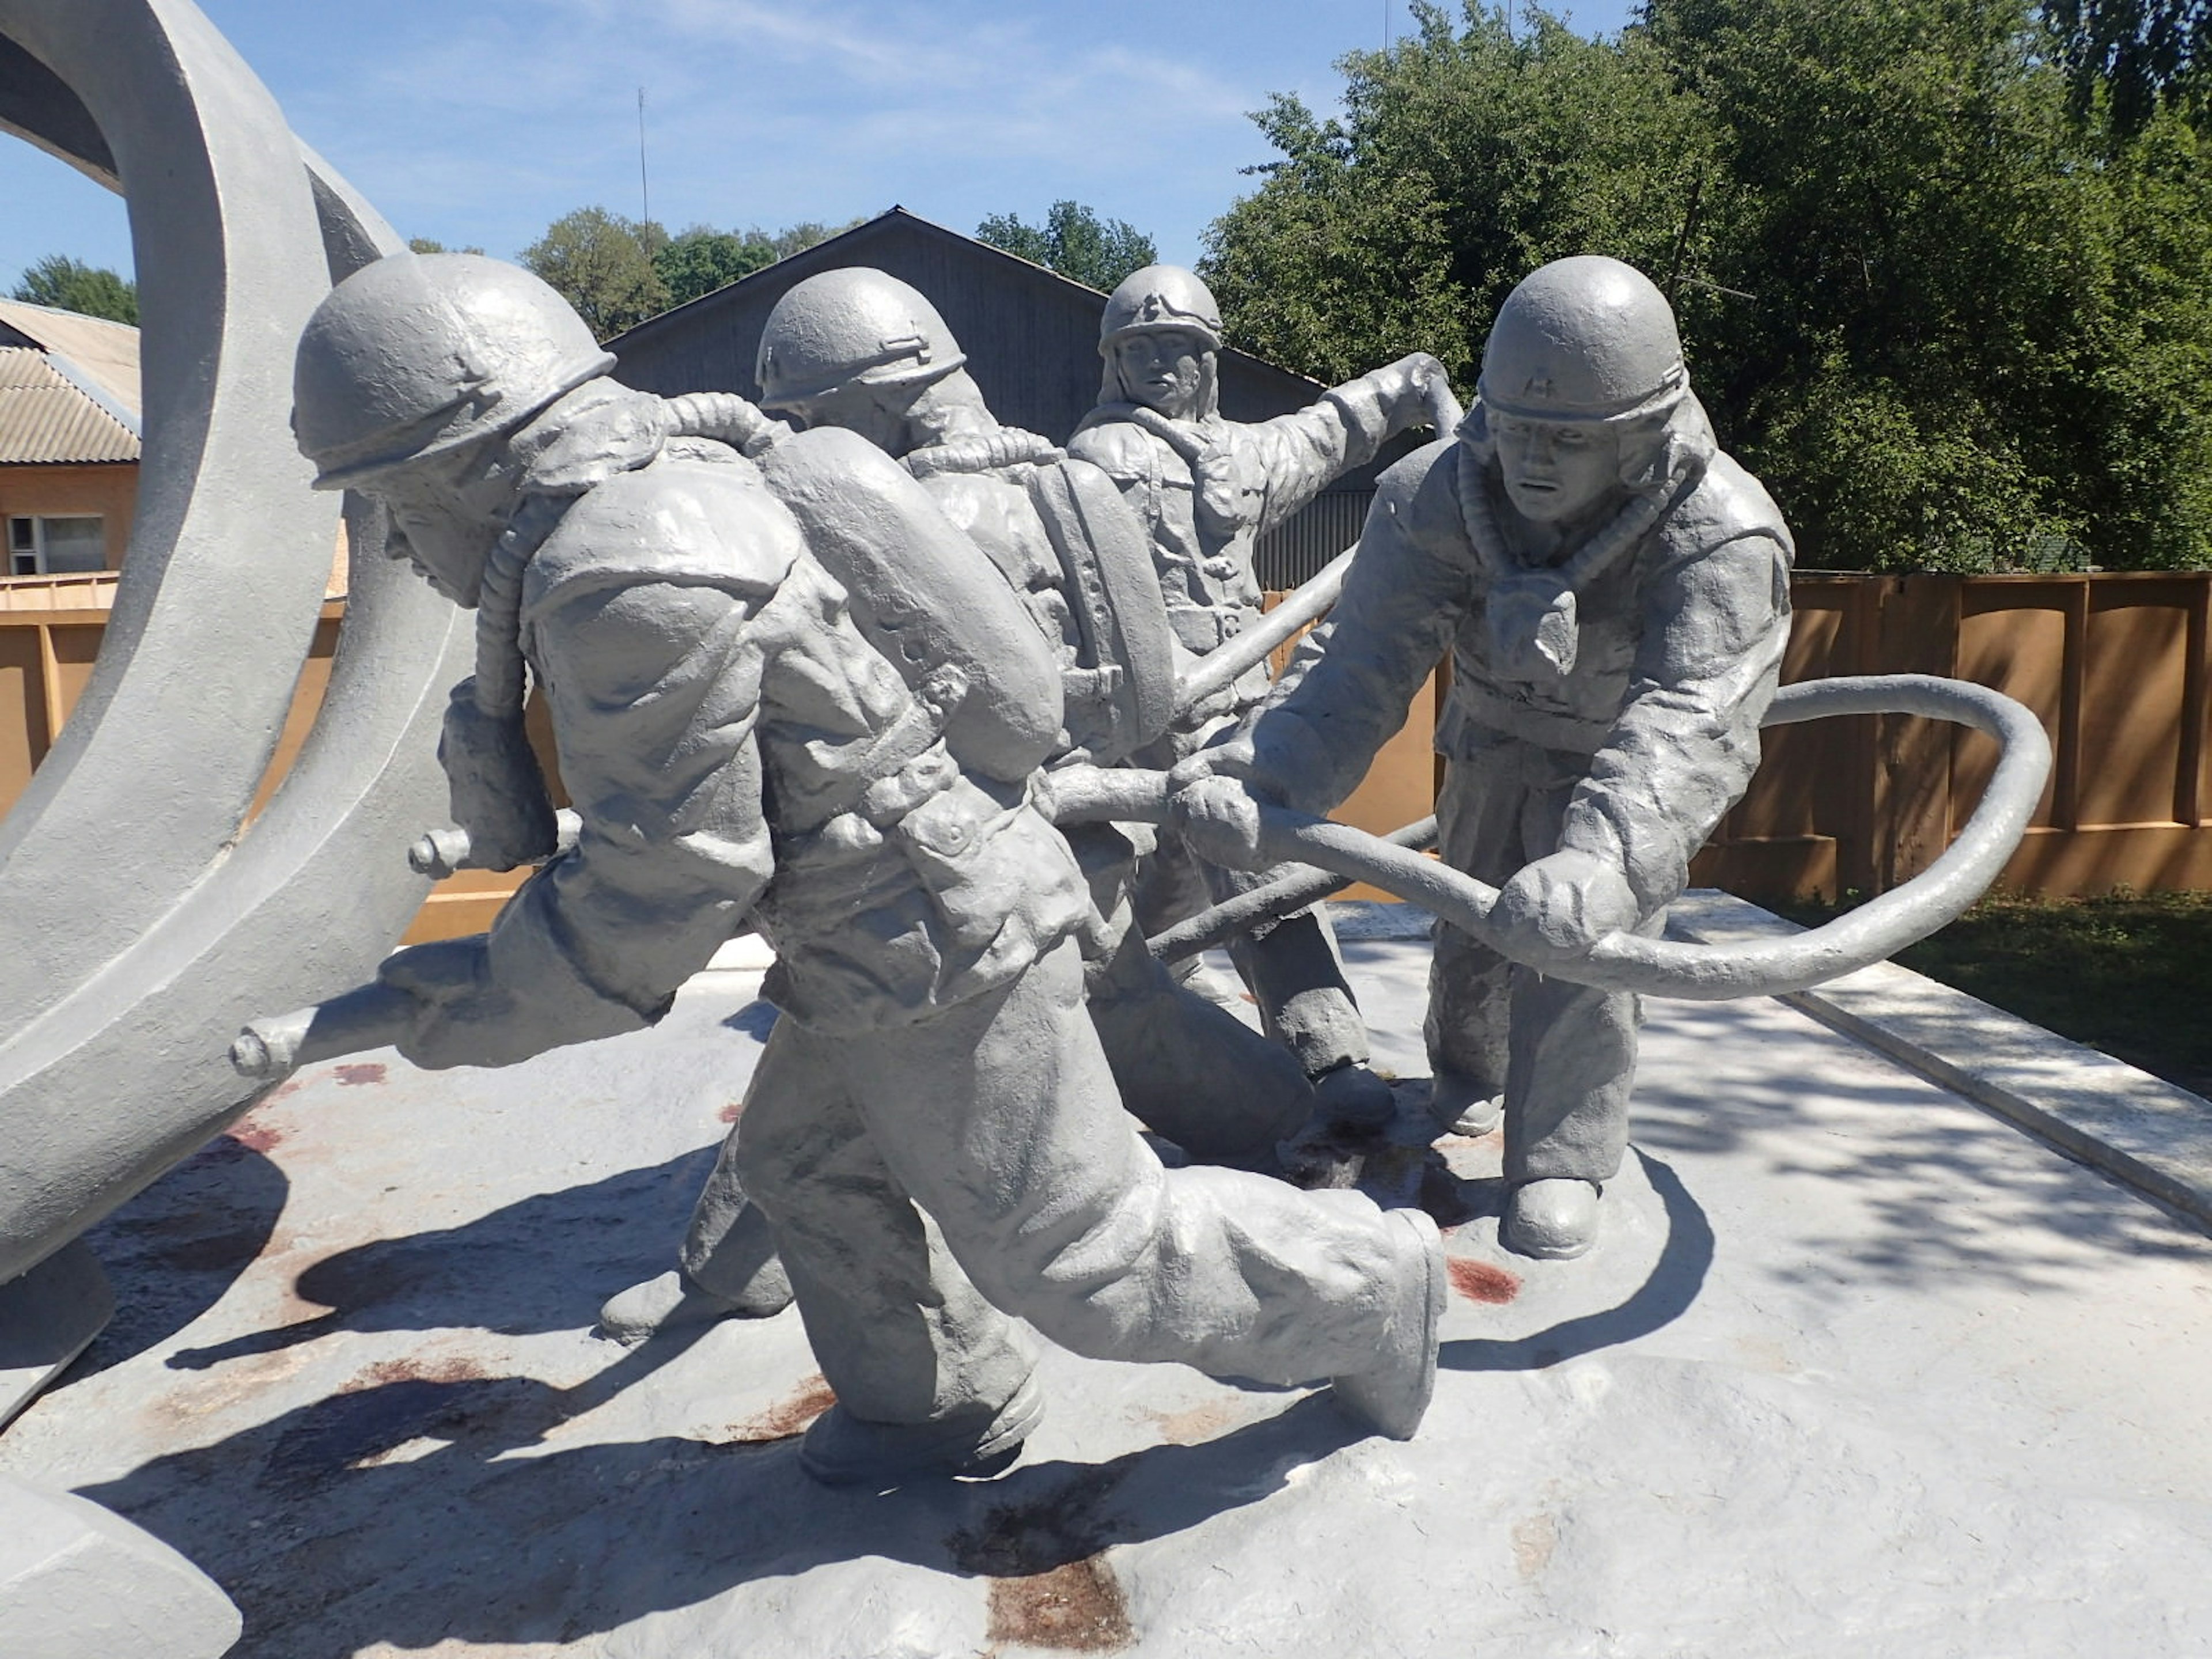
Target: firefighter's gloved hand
1406	383
1220	820
1556	908
1234	758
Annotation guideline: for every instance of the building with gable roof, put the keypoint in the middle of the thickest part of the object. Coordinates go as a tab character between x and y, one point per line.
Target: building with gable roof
1031	340
69	440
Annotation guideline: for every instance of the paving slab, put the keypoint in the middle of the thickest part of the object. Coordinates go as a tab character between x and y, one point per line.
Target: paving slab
1857	1367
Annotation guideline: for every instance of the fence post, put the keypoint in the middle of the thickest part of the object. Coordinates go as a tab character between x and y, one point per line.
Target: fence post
2189	795
1919	634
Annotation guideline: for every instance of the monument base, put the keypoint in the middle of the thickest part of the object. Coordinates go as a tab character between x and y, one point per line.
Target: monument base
1854	1368
76	1581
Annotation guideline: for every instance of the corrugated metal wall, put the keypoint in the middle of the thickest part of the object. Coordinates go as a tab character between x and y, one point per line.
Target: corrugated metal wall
1294	552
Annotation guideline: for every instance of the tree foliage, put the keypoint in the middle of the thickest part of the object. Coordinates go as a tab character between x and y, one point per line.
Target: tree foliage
618	272
68	284
2134	56
1950	326
602	264
1075	242
703	259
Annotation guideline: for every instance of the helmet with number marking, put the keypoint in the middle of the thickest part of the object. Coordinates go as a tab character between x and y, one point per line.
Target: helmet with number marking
1586	339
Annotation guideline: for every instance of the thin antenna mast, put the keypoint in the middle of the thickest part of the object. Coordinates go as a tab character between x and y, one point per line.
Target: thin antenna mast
644	181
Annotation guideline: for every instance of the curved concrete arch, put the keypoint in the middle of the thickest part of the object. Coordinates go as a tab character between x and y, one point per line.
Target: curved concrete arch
144	923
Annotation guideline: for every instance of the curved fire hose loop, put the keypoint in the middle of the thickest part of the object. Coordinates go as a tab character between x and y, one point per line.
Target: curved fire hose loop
1624	962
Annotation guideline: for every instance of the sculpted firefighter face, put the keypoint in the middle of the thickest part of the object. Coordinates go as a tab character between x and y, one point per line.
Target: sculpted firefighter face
446	513
1164	369
1556	470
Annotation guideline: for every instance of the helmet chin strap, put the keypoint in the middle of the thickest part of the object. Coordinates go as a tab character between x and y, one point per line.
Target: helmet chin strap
1534	618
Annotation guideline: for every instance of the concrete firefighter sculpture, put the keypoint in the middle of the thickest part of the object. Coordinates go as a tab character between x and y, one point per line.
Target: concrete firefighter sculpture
741	748
1614	590
860	350
1207	489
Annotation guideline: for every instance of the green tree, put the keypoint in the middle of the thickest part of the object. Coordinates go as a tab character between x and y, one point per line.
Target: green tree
1950	326
430	244
600	264
68	284
1954	356
2133	56
797	239
1463	159
703	259
1075	242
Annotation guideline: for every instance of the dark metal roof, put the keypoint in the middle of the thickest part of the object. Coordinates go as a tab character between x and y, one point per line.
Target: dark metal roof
1031	335
1031	340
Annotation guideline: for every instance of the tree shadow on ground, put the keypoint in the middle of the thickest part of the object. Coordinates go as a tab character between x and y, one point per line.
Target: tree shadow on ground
175	1250
491	1274
1923	1187
329	1544
1928	1185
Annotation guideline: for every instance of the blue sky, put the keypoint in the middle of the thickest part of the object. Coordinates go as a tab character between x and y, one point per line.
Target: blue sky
480	121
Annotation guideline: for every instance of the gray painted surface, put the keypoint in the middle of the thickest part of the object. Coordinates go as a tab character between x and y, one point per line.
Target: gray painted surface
76	1582
1856	1370
144	926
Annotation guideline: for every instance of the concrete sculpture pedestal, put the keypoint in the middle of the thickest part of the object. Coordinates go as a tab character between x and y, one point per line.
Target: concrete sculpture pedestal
1855	1368
75	1580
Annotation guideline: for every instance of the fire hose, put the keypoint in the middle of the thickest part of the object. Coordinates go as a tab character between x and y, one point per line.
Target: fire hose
375	1013
1626	962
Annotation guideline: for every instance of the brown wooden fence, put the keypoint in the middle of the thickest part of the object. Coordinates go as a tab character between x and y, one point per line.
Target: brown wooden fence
2116	666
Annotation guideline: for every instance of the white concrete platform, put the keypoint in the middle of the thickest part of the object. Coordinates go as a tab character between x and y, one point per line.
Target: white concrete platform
1859	1368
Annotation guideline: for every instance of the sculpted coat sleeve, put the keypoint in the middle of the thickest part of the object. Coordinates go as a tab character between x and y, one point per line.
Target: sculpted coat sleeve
1352	682
1685	743
1297	455
654	708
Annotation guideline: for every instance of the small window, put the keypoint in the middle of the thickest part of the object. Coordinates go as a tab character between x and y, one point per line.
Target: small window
56	546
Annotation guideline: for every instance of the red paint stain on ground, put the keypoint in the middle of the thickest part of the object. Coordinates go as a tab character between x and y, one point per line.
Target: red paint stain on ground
1075	1608
733	1112
789	1416
385	1372
1477	1281
1198	1423
352	1077
257	1137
